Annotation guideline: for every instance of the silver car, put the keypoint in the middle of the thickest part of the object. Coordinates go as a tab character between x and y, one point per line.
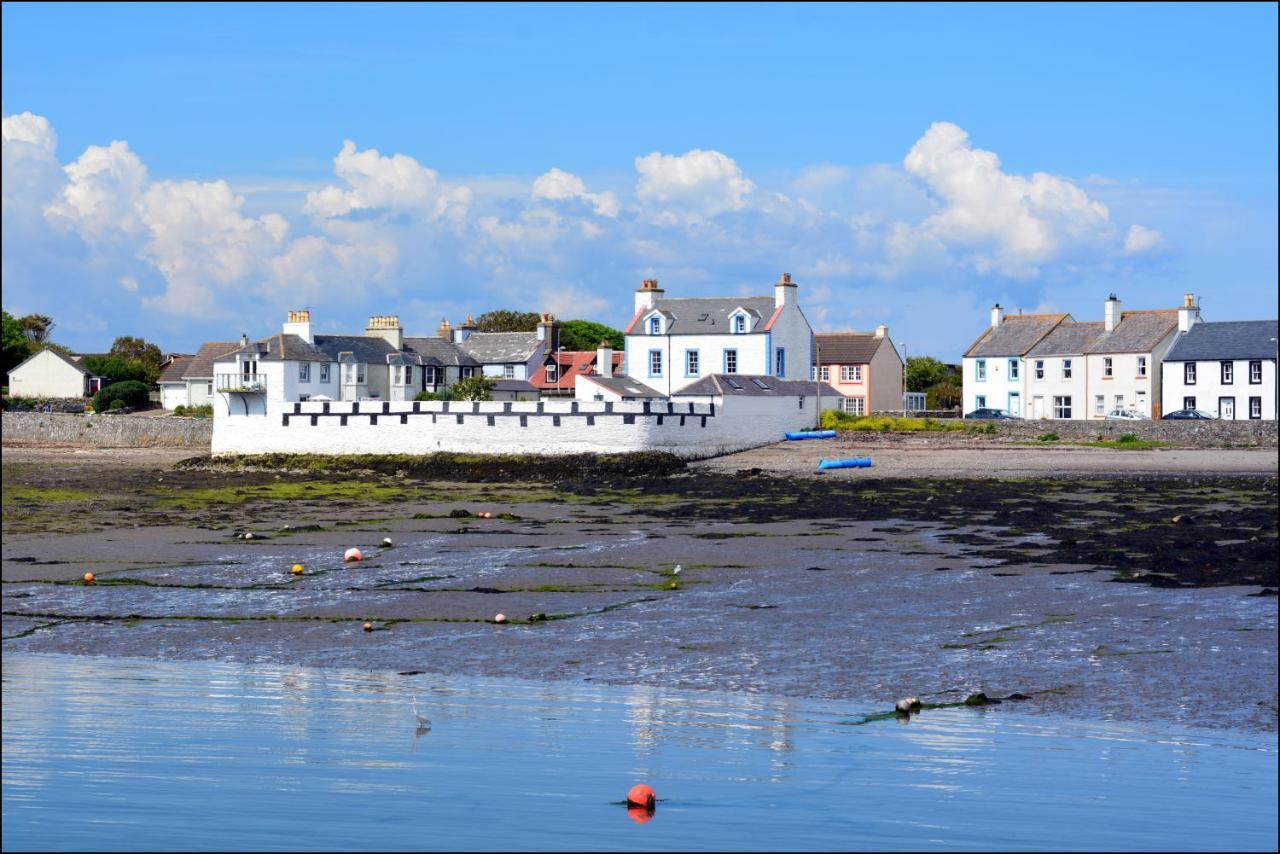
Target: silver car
1126	415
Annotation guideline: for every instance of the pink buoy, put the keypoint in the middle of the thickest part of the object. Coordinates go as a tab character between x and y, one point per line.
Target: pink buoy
352	554
501	618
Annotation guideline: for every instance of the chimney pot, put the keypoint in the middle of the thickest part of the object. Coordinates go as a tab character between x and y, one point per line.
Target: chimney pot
244	340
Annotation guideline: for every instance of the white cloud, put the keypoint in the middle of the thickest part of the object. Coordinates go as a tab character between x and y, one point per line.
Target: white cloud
397	184
102	191
1141	239
558	185
691	185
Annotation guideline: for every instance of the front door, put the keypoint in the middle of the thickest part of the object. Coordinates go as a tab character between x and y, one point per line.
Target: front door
1227	408
1142	402
1015	404
1037	406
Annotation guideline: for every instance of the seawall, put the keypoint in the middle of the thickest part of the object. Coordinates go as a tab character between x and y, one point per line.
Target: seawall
58	429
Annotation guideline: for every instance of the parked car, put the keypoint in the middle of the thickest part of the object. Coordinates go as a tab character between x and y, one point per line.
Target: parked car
993	415
1190	415
1126	415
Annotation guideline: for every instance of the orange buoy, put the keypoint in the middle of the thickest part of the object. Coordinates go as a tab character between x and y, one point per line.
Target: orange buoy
352	554
501	618
297	569
88	578
639	814
368	627
641	795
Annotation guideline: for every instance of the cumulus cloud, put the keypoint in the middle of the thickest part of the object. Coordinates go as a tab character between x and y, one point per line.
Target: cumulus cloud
694	184
395	184
103	188
558	185
1141	239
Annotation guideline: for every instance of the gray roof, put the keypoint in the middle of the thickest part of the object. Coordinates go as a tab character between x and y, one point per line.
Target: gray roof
500	348
1068	339
1015	335
70	361
846	348
710	315
626	386
439	352
1137	332
279	348
755	385
514	385
326	348
1232	339
363	348
175	371
201	367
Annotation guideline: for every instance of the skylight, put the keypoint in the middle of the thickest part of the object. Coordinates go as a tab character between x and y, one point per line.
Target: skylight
760	384
734	384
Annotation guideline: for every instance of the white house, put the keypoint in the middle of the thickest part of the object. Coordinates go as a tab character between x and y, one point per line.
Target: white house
49	374
992	368
1122	364
1226	368
1054	372
672	343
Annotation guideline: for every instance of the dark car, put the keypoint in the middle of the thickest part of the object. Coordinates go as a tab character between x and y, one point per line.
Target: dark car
992	415
1189	415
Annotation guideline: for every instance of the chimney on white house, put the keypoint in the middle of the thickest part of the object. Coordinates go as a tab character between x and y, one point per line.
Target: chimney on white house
604	359
549	333
388	328
997	316
1111	313
463	332
299	323
647	294
882	331
244	340
1188	313
784	291
444	331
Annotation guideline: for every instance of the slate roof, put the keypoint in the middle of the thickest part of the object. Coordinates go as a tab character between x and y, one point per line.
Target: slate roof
281	348
70	361
201	366
1068	339
1231	339
175	371
513	385
755	385
628	387
846	348
708	315
499	348
363	348
440	353
1016	335
1137	332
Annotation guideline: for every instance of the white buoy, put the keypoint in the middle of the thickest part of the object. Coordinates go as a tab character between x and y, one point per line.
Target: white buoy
386	542
676	571
501	618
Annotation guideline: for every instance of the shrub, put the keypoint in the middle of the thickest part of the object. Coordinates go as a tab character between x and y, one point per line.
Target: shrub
1048	437
179	410
115	404
1127	438
204	410
473	388
129	393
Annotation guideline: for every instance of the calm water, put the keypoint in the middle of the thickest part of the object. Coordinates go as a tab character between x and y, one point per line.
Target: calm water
136	754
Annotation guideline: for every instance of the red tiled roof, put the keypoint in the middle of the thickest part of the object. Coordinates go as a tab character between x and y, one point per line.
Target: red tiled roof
571	363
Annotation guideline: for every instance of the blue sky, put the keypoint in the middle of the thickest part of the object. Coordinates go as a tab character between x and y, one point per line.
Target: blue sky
183	172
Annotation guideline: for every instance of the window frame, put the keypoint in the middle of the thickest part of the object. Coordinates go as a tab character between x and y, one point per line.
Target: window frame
553	372
655	361
1188	373
728	353
1014	369
304	372
1142	366
692	362
1108	367
1255	402
1252	364
1062	407
324	372
1066	369
1188	402
779	361
739	321
1227	372
1099	404
979	401
979	370
1038	370
508	372
655	325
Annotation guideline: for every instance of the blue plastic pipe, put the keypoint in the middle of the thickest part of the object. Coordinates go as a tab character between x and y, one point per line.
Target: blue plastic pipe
855	463
796	435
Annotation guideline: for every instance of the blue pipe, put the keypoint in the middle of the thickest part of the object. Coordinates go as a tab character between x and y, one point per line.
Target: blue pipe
796	435
855	463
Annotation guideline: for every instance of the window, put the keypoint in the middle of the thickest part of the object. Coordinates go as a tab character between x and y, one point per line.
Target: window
1066	369
813	372
508	372
826	373
851	373
303	398
432	375
780	362
854	405
1119	401
980	401
324	372
304	372
396	375
1255	407
408	374
463	373
1228	372
1107	368
360	372
1099	404
655	363
1039	369
1255	373
691	358
552	372
1188	403
1142	366
1013	369
730	361
354	373
739	324
1062	406
1189	374
209	389
979	370
655	325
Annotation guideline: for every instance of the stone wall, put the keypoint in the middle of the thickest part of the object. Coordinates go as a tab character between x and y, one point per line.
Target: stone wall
1178	433
106	431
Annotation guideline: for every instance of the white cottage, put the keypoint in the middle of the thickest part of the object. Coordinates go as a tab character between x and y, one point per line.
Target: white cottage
1226	368
993	368
49	374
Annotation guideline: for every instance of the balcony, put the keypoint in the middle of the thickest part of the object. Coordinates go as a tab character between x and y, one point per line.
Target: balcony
241	383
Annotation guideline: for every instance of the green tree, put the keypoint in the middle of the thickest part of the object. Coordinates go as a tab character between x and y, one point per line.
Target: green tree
139	351
503	320
116	368
473	388
923	372
37	327
587	335
16	346
944	395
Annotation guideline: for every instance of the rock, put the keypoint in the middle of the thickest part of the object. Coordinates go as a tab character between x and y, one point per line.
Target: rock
907	705
1016	696
979	699
538	617
1182	519
460	514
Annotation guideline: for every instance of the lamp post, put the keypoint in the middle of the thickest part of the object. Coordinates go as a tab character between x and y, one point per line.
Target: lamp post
903	345
1275	369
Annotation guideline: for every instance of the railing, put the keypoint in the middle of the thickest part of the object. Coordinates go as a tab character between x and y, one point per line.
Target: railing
253	383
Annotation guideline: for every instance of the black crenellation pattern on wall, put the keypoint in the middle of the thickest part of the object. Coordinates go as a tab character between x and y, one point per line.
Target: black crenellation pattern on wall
658	415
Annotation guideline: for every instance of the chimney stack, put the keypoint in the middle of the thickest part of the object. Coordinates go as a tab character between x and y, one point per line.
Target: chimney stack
997	316
244	340
1188	314
549	333
388	328
299	323
444	331
463	332
784	291
604	359
1111	313
882	331
648	294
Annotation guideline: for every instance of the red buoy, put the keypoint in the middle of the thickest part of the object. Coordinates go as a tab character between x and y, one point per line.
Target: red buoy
641	795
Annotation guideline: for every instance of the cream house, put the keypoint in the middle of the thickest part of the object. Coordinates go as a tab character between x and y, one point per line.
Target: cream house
49	374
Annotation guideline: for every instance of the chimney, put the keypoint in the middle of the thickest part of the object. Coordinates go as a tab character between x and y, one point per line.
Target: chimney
997	316
784	291
463	332
882	331
1111	313
648	294
549	333
604	359
299	323
1189	313
388	328
244	340
445	331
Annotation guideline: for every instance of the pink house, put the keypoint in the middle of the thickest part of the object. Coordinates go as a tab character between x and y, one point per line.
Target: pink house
863	366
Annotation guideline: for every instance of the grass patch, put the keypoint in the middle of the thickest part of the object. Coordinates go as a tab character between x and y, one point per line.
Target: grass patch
1048	437
42	494
843	421
1127	442
285	491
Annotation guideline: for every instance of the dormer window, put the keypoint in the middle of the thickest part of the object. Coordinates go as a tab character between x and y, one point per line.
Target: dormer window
655	325
739	324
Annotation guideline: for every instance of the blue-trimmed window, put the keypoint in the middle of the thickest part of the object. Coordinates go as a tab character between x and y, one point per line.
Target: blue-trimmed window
1014	369
730	361
980	402
655	363
980	371
655	325
780	361
691	363
739	324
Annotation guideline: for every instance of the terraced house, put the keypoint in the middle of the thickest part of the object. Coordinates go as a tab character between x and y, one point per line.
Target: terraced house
993	371
1225	368
864	367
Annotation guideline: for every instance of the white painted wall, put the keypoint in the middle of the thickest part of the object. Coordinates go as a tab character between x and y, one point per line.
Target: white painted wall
1140	393
1209	387
173	395
46	375
997	385
1054	385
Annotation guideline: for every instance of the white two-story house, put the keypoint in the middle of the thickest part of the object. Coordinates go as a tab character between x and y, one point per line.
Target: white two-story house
992	368
1225	368
1123	363
672	343
1055	373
